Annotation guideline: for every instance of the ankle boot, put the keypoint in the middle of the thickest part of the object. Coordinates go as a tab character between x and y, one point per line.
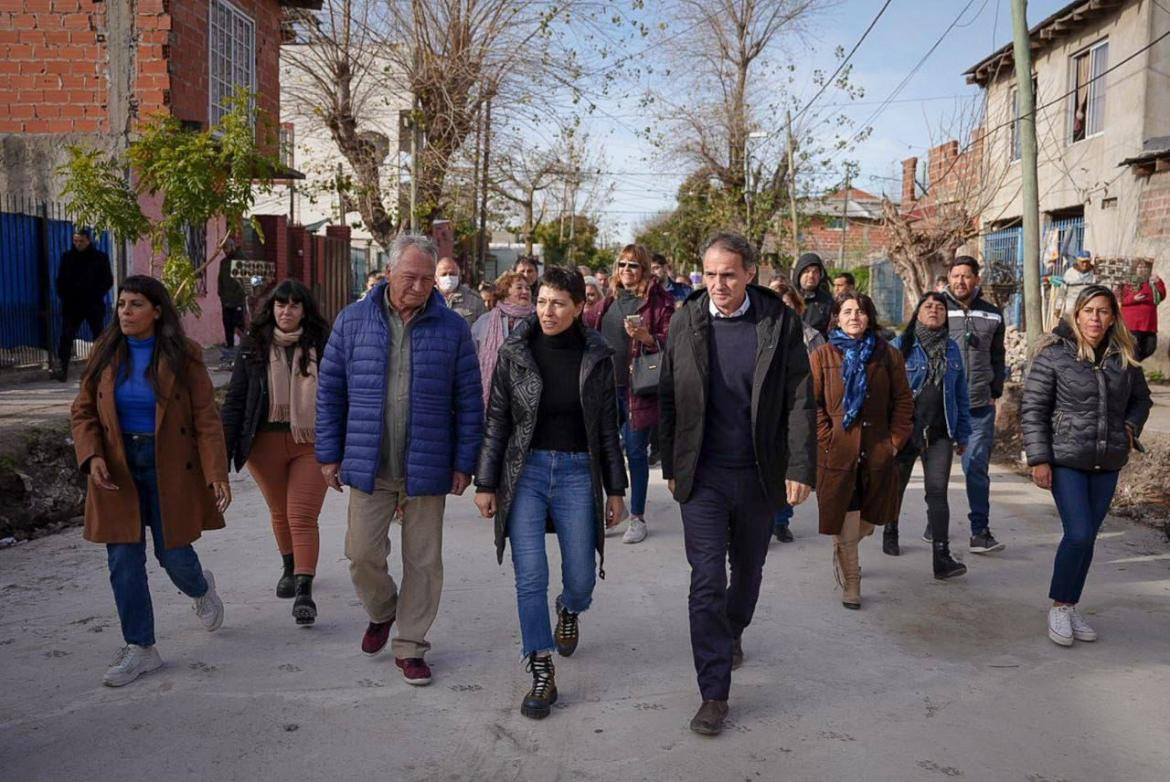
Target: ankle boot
286	587
539	700
851	572
890	540
304	610
945	565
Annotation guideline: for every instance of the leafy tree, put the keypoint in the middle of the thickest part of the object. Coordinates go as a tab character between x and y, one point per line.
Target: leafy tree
201	177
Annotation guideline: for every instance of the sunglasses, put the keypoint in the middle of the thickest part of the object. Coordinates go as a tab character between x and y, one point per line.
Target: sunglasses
629	265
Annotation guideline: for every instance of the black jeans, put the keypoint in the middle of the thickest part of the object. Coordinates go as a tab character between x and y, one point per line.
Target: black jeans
71	319
233	318
727	517
1146	343
936	469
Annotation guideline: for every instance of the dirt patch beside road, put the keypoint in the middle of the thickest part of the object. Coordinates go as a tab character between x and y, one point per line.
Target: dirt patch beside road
41	489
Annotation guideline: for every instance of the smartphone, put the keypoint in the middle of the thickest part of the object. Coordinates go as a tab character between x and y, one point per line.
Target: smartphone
634	320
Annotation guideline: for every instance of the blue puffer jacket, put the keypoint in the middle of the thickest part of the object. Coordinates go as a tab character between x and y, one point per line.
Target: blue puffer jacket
956	402
446	405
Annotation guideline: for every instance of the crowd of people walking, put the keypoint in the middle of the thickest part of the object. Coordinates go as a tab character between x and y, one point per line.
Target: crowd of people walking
547	393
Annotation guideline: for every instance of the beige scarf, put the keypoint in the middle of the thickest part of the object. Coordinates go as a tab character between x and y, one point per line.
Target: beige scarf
292	396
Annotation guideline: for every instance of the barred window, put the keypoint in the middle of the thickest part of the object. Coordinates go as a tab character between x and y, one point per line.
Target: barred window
231	56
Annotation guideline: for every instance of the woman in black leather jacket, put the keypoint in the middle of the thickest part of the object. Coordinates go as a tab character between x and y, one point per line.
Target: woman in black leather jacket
1085	402
550	448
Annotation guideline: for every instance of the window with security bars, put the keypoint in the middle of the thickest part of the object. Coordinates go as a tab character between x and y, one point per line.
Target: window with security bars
231	56
1087	116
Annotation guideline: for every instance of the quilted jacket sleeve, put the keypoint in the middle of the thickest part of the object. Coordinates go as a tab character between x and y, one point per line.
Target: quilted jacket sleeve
998	361
1037	405
332	396
496	431
1138	409
468	404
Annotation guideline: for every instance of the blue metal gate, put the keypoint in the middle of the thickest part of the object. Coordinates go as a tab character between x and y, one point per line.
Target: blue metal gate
33	237
1006	246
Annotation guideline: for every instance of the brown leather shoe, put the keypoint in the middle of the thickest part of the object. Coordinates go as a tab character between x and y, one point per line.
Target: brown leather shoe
708	720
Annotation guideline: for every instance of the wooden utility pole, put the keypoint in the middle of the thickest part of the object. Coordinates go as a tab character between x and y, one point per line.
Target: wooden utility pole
792	191
1026	109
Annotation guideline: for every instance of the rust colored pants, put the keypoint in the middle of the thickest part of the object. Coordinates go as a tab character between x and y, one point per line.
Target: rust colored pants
290	480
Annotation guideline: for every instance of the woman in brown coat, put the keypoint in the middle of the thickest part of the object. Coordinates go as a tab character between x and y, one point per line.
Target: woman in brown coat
147	434
865	413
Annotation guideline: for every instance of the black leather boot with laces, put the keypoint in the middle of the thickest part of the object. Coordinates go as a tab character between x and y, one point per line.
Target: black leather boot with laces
945	565
567	631
539	700
304	609
286	586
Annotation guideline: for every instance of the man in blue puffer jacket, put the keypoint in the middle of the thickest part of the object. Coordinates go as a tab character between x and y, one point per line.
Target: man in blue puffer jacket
399	420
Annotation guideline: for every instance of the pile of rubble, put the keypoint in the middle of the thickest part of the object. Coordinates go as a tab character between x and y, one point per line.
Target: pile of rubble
1016	345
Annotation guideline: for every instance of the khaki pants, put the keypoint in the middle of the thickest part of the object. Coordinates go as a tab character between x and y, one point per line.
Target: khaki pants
367	546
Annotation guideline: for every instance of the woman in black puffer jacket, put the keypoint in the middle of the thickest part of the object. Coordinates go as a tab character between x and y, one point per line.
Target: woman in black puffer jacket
1085	402
550	448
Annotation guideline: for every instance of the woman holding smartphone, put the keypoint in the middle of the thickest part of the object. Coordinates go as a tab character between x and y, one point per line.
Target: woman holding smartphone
634	320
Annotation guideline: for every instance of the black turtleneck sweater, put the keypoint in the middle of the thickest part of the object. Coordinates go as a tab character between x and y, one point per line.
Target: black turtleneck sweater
560	421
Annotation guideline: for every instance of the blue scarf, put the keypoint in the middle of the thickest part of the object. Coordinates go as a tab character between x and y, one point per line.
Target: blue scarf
857	353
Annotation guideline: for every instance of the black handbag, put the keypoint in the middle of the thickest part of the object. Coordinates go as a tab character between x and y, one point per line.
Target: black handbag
644	373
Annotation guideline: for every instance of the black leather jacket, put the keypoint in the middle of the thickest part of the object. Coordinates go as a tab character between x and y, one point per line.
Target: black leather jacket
511	421
1078	414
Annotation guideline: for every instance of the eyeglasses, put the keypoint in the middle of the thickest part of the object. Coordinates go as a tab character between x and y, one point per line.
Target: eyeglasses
629	265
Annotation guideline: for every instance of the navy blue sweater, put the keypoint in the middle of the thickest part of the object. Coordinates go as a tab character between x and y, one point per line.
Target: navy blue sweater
727	432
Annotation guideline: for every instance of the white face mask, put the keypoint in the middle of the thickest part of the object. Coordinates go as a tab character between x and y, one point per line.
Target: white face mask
448	282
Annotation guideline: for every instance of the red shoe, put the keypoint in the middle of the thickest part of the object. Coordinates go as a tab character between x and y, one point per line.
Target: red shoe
415	670
377	634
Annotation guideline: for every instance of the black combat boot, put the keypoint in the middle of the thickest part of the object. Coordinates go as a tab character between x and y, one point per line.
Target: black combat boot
539	700
890	540
567	631
286	587
945	565
304	610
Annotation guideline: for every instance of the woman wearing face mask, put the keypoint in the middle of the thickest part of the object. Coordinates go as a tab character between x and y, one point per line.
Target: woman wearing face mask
942	422
634	320
550	450
147	435
513	305
865	413
458	296
1084	405
269	415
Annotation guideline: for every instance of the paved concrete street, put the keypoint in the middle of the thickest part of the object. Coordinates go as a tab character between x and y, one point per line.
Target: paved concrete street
929	681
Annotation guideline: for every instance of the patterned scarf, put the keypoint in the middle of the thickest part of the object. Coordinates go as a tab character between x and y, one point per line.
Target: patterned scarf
292	396
501	319
934	342
857	353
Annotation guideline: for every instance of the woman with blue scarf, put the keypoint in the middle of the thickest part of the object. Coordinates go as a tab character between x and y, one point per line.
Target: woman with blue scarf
865	414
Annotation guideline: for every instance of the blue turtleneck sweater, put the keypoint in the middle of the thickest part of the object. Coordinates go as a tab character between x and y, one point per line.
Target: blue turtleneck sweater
133	394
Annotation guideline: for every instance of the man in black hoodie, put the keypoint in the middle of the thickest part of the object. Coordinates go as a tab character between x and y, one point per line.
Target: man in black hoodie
83	280
812	280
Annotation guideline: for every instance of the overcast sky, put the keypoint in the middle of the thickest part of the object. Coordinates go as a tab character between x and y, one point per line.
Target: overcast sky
932	97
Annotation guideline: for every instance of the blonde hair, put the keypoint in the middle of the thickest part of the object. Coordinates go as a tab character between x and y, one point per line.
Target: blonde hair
504	283
1118	336
632	252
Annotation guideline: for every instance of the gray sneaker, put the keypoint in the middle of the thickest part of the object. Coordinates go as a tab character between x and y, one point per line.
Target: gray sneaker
209	608
129	663
984	543
635	531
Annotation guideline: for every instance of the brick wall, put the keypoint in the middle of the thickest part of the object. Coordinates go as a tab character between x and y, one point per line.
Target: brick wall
862	241
54	66
52	74
1154	207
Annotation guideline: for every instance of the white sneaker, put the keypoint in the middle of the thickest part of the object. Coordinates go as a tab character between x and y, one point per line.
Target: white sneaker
1080	628
1060	627
636	531
129	663
209	608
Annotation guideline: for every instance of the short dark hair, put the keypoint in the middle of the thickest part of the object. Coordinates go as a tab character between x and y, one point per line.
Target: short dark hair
966	260
568	280
849	278
866	304
659	259
526	260
81	230
732	243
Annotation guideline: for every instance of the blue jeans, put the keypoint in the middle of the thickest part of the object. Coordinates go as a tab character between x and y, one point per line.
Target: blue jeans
782	518
976	459
638	454
1082	499
556	485
127	561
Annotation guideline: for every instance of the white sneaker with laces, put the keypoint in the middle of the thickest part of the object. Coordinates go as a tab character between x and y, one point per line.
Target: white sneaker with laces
636	531
129	663
1060	628
209	608
1080	628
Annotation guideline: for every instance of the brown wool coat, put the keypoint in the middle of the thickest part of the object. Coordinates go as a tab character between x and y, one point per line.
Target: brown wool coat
880	431
190	455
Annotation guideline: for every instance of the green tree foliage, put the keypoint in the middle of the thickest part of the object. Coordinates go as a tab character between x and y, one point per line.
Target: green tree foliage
201	177
582	249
